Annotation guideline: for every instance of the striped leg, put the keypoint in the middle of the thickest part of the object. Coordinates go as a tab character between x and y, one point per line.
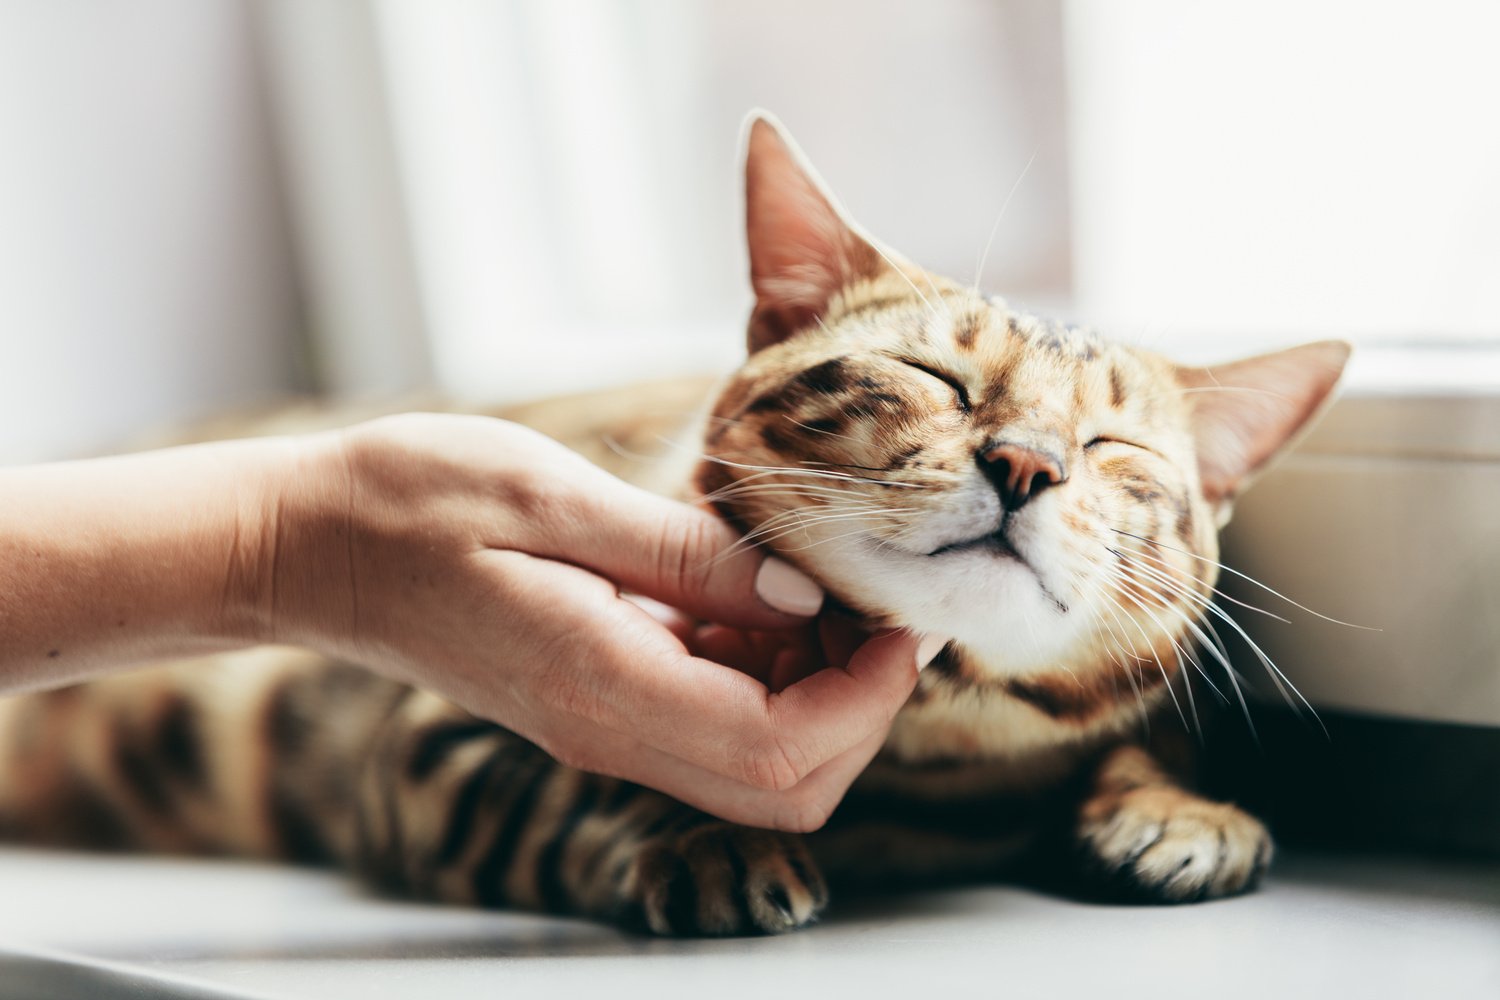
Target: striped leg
459	810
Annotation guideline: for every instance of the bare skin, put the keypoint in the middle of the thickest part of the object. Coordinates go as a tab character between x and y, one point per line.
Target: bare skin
474	558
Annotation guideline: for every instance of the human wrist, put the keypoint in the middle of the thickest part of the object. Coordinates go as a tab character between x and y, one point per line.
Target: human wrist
288	577
140	558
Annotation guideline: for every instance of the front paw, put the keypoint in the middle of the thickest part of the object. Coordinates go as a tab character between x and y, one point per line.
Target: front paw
1163	844
723	879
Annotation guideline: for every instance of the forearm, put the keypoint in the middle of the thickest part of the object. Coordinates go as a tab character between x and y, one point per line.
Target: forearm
469	557
119	561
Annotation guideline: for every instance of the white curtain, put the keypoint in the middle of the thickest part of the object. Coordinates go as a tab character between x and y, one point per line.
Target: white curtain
518	197
566	171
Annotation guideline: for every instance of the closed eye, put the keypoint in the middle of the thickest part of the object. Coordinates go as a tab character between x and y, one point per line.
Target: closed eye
1104	439
953	383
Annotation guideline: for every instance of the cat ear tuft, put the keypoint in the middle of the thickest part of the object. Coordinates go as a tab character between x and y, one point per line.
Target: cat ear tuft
803	249
1245	413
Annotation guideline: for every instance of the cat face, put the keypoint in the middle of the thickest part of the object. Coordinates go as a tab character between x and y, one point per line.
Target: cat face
944	463
960	469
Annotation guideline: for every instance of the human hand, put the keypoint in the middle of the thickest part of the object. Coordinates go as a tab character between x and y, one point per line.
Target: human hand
483	561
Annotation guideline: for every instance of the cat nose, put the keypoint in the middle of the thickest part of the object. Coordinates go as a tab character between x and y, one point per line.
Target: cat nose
1019	472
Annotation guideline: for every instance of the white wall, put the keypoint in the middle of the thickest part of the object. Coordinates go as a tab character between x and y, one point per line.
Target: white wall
145	273
569	169
1283	169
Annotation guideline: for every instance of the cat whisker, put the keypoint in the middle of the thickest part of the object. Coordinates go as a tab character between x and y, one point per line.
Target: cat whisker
802	519
1235	388
1247	578
1121	646
825	541
762	471
1115	637
1234	682
820	430
1157	658
1181	649
947	306
1187	687
1214	644
1282	683
771	474
869	468
791	471
791	521
806	520
1199	580
811	502
984	255
1031	631
907	278
1114	648
615	445
771	493
745	487
1274	672
1204	632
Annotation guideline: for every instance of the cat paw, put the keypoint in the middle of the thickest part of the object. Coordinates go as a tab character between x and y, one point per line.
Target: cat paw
723	880
1165	845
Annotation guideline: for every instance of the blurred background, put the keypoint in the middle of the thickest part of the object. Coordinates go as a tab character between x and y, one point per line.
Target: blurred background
209	205
206	204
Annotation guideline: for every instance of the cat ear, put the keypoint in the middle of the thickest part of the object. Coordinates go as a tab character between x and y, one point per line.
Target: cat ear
1247	412
803	249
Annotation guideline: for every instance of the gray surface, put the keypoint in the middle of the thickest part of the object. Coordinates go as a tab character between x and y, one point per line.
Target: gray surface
41	975
1323	926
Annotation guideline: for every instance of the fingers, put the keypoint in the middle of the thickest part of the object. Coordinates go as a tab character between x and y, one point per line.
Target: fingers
832	710
840	635
731	724
800	809
792	665
612	672
676	553
674	621
756	652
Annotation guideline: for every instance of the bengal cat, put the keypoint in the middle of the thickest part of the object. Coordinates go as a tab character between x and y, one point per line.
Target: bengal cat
940	462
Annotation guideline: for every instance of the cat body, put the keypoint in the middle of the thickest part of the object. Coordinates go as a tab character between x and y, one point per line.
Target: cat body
1046	500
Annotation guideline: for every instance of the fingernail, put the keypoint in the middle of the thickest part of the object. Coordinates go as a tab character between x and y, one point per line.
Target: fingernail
787	589
929	648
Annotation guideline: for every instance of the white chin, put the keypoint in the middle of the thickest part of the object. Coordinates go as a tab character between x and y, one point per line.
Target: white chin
991	605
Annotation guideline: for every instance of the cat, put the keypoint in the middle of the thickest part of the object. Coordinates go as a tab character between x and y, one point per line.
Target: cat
938	461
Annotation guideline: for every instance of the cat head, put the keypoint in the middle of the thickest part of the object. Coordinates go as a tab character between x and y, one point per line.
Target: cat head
942	462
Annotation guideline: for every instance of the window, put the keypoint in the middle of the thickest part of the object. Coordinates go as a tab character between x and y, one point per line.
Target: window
1204	178
1250	173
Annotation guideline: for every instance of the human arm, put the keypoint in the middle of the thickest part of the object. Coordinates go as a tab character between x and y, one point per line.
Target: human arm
464	555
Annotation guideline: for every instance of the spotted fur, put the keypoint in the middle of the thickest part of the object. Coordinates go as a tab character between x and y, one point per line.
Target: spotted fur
1044	498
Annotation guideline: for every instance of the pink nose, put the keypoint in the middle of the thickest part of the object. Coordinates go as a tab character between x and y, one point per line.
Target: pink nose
1020	473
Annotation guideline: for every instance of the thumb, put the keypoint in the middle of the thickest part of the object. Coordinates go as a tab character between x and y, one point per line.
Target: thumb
682	556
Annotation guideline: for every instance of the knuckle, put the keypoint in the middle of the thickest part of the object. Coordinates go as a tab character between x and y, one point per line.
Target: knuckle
775	765
530	495
686	555
570	692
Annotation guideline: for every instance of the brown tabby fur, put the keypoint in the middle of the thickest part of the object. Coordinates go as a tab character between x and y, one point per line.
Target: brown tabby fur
854	442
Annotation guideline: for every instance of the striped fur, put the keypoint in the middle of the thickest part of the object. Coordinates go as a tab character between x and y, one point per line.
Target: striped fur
853	442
